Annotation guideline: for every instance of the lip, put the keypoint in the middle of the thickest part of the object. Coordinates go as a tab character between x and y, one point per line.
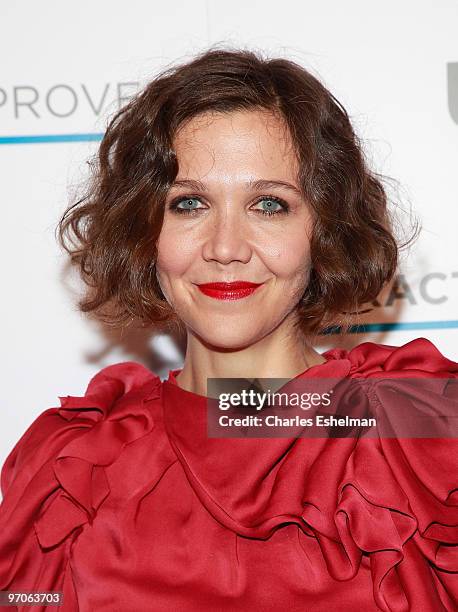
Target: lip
229	291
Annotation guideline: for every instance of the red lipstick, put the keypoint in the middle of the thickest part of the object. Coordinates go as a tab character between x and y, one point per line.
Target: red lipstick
229	291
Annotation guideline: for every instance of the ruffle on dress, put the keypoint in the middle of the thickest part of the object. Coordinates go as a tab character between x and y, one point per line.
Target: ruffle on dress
54	482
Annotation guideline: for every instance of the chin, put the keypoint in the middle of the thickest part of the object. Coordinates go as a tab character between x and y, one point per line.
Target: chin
228	334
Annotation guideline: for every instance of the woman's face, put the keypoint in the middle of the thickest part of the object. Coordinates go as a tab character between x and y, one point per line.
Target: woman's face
233	169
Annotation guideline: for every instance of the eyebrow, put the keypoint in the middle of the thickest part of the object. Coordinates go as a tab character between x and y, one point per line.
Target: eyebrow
259	185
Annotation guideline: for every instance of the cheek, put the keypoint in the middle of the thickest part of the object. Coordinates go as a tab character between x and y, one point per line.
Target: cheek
289	258
174	254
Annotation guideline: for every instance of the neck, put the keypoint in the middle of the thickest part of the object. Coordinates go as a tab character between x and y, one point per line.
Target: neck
282	354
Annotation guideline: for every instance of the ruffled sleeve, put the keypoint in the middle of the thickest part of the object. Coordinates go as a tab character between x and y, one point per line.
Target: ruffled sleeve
53	481
397	498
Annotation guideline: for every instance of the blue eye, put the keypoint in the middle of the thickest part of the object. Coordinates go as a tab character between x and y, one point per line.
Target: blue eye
273	206
188	205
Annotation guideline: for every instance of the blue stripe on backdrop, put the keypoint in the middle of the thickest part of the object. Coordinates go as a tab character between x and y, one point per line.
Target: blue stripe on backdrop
401	326
43	138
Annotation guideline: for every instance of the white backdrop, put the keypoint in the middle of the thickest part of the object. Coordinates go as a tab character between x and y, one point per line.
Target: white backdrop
67	66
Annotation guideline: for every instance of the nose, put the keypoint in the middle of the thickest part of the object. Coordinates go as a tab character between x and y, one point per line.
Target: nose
226	238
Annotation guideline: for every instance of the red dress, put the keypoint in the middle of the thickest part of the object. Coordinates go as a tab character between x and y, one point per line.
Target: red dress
121	501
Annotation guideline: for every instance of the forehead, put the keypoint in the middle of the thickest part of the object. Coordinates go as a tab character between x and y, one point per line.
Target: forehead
257	141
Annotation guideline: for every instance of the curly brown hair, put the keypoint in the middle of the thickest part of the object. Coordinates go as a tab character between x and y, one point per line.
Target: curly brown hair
111	232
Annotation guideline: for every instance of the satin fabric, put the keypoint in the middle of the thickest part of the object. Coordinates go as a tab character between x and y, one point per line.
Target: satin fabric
120	500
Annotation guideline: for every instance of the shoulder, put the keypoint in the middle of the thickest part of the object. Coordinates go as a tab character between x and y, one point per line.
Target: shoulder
60	449
412	388
112	393
414	357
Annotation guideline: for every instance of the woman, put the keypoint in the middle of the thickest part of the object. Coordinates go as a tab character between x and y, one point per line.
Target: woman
231	198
